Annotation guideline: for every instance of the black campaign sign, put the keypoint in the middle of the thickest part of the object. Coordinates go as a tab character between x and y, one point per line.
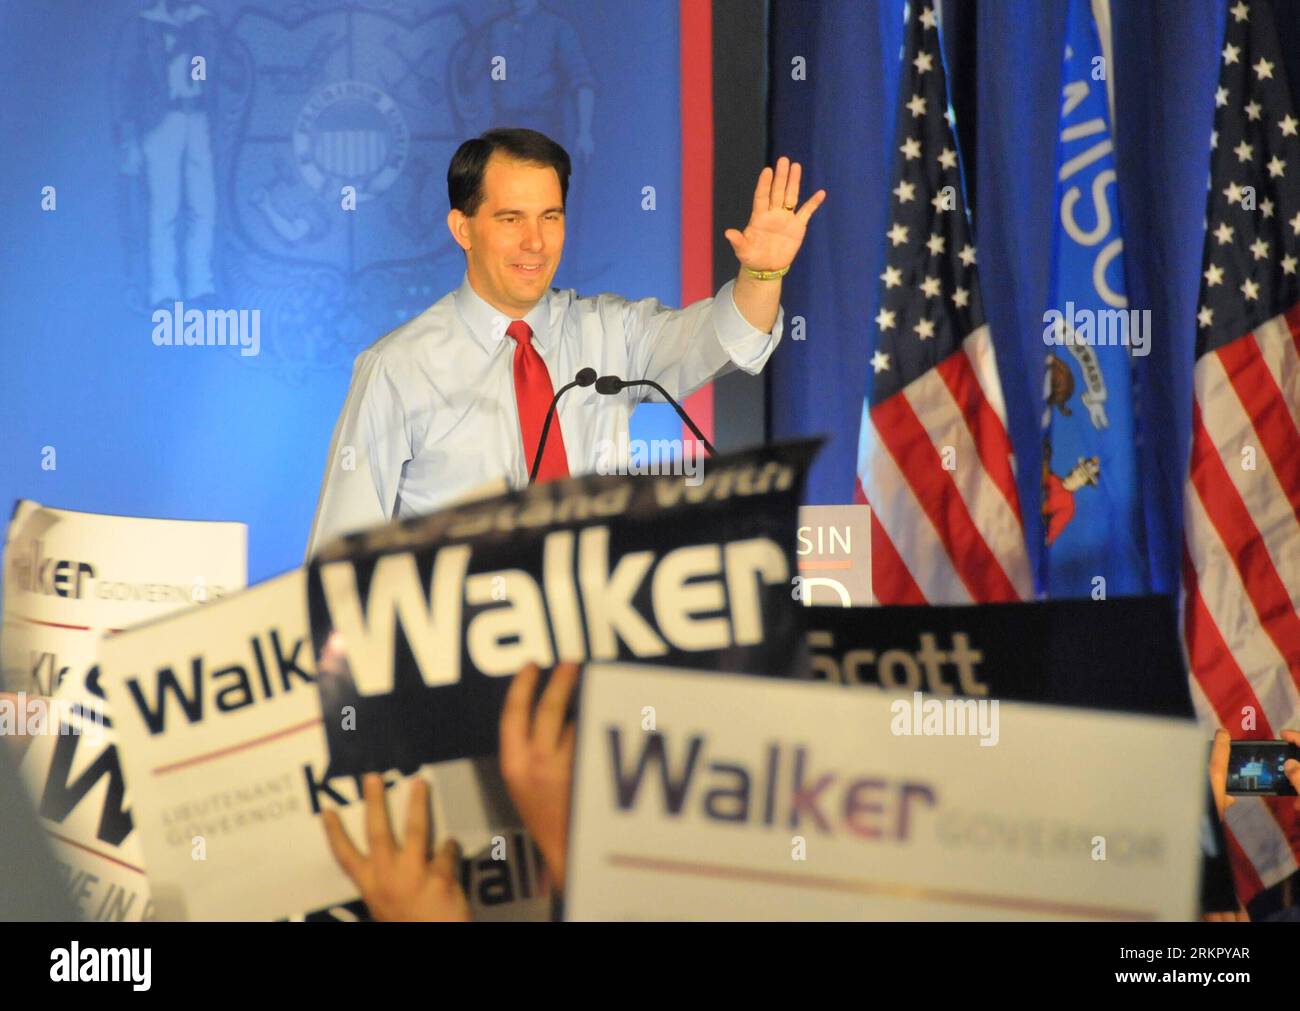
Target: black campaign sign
1119	654
418	625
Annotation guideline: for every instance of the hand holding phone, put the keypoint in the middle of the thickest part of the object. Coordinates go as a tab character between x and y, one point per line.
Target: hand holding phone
1258	768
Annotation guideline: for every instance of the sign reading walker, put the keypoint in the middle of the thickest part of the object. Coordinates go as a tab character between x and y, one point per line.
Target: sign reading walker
830	803
419	625
221	744
71	576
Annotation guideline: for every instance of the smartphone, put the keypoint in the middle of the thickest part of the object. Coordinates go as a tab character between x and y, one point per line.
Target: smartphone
1255	768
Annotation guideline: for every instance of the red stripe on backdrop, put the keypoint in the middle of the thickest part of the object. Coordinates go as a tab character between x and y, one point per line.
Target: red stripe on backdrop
907	441
891	582
1246	881
1228	690
695	29
1242	540
986	428
1293	324
1266	407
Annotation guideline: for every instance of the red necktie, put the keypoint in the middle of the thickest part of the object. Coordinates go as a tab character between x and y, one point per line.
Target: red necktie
533	393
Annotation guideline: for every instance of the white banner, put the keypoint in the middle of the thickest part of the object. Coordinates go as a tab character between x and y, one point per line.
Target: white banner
224	752
70	577
72	773
705	796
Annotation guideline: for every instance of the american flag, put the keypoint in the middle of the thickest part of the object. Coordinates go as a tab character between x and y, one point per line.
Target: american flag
1241	547
934	459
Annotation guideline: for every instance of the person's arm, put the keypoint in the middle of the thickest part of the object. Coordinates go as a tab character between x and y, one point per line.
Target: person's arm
682	349
371	443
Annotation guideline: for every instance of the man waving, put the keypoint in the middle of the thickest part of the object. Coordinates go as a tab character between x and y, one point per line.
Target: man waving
456	397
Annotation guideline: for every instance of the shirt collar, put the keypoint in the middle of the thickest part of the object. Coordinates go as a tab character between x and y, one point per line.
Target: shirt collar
480	318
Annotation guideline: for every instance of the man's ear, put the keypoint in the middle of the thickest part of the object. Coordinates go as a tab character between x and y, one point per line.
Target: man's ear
458	225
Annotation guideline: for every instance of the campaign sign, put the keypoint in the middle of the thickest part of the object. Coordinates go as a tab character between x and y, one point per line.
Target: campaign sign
74	778
69	577
700	796
1119	654
222	746
833	543
1122	653
419	625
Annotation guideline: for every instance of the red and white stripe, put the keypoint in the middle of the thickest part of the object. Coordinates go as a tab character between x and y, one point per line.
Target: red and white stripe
940	535
1241	569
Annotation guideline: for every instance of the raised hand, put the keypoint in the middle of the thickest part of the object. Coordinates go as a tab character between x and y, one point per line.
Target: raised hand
537	759
776	224
400	883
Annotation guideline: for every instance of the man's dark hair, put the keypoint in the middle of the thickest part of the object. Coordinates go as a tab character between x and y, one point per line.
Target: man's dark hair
465	173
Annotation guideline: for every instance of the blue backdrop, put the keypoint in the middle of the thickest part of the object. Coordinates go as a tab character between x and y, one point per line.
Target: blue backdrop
226	194
1004	63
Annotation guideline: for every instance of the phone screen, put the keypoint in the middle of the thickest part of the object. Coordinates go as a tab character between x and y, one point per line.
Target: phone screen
1255	768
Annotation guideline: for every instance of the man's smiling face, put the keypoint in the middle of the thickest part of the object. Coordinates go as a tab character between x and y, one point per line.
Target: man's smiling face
514	240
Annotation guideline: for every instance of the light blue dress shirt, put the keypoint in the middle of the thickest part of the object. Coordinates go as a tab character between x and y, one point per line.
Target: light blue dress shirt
431	412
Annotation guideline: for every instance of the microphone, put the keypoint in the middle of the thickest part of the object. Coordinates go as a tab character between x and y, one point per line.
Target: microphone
585	377
609	385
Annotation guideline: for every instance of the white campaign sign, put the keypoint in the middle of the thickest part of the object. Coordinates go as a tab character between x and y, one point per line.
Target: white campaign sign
707	796
73	775
70	577
224	754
